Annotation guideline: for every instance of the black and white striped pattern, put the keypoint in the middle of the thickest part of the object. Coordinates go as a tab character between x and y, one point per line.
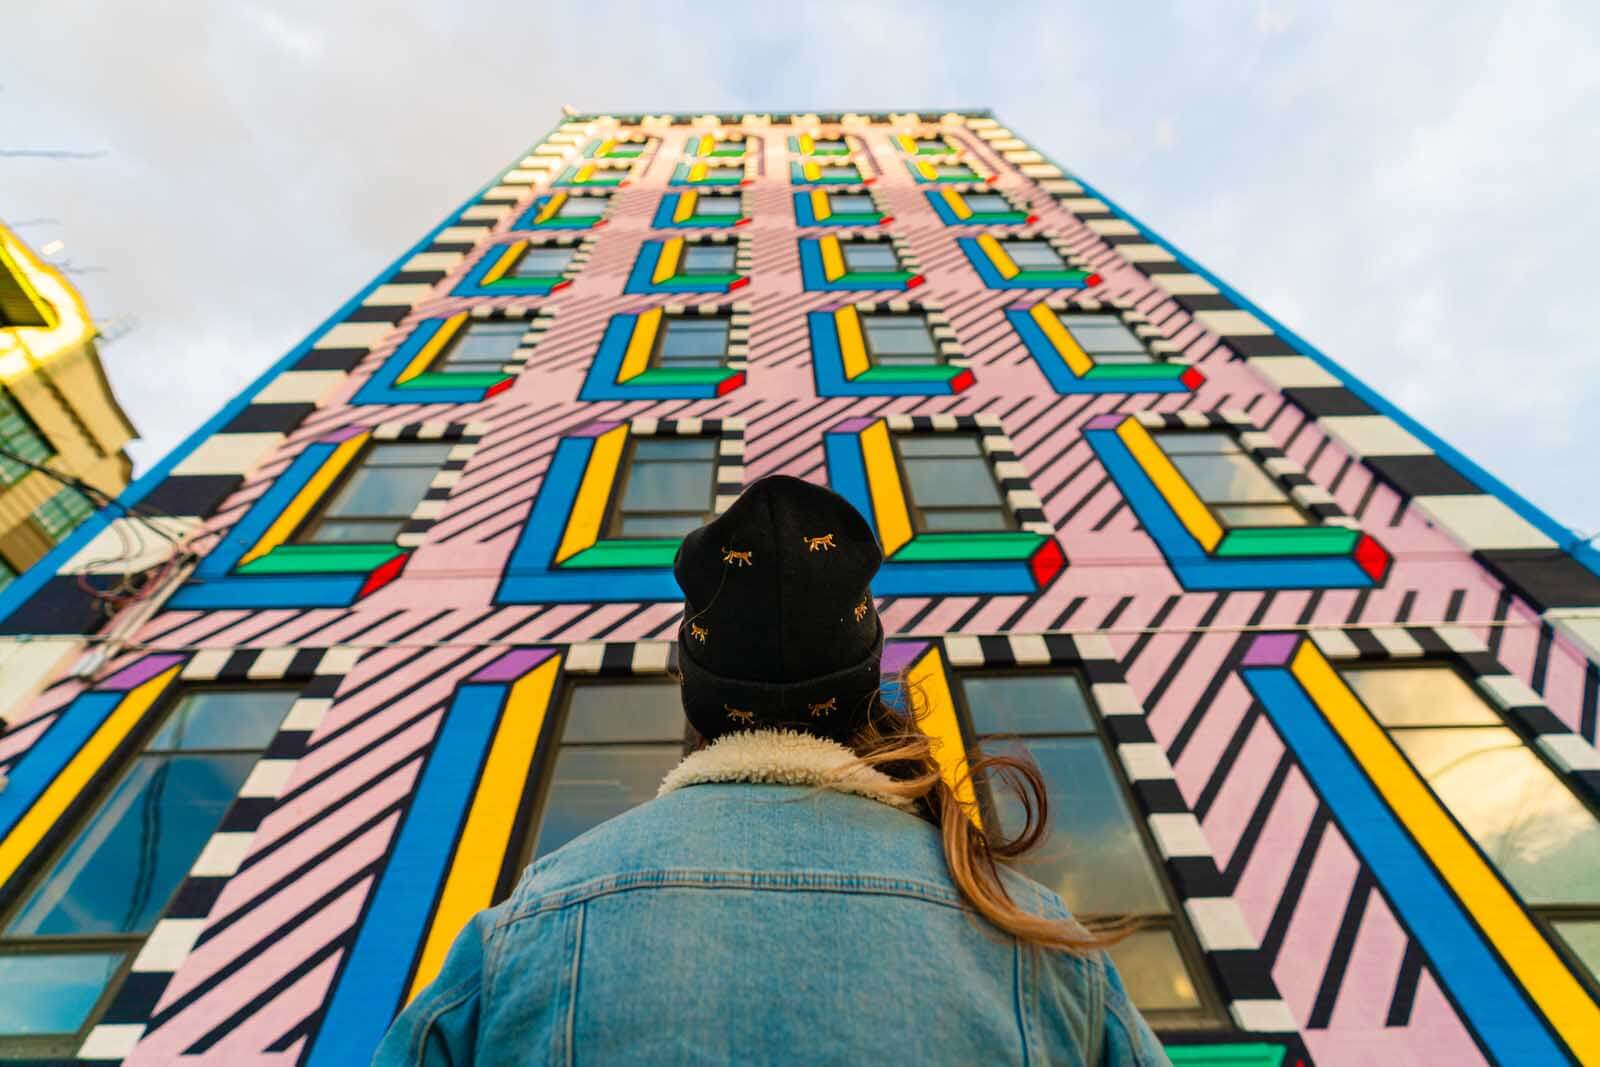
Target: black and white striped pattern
1241	975
320	672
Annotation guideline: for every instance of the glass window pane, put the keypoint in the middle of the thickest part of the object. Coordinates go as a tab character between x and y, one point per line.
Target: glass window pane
1420	696
48	993
1034	703
933	143
870	257
488	343
954	170
116	876
1033	255
851	204
964	520
896	335
354	532
668	487
694	337
234	718
1238	515
1543	839
708	259
1185	443
1113	358
582	207
938	444
951	483
658	525
1583	938
658	448
382	491
1228	479
989	204
718	206
820	145
1094	856
1095	339
408	454
542	263
624	711
593	783
1154	973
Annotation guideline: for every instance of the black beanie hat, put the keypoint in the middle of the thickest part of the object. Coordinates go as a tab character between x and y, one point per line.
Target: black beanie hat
778	626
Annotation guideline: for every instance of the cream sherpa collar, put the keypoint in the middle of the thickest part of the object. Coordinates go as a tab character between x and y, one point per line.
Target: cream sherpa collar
781	757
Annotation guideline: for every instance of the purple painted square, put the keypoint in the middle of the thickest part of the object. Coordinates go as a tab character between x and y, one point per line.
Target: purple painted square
594	429
1271	650
136	674
342	434
513	665
851	425
898	655
1109	421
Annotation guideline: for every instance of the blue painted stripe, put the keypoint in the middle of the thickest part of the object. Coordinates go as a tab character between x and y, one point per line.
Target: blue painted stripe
608	586
38	767
607	362
954	579
381	387
1060	376
264	512
847	474
1586	553
665	211
1492	1003
34	578
373	981
271	591
942	209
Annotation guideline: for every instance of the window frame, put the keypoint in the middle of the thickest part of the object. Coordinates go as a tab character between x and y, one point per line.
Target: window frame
84	808
919	523
304	533
1311	521
611	527
665	329
1211	1012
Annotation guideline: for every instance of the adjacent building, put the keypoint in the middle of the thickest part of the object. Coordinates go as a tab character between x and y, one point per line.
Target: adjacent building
1316	695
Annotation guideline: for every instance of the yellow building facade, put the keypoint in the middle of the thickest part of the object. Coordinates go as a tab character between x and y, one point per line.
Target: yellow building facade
57	412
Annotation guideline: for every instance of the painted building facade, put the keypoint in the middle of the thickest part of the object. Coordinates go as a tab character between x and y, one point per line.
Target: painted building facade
1316	694
57	410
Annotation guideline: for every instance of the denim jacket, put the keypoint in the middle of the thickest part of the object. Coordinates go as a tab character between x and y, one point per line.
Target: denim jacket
747	917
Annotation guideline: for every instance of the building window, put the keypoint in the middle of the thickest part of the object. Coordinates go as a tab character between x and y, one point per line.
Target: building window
81	921
1539	835
1033	255
719	207
849	205
824	171
707	260
1228	480
988	204
618	740
1097	855
581	208
1105	338
612	148
62	513
667	488
950	486
899	340
20	439
542	263
483	347
691	341
376	498
868	257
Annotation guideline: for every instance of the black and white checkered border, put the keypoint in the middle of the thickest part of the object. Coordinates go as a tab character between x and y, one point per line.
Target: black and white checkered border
1151	336
466	436
1239	970
1024	503
729	476
902	251
538	320
738	313
743	254
944	334
1567	751
1289	475
177	933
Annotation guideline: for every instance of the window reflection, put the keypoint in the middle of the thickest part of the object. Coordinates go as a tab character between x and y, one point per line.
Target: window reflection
949	483
1228	479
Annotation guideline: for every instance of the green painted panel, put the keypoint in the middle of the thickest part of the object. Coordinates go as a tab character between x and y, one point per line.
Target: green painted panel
1053	275
454	380
321	559
908	374
888	277
955	547
1140	371
681	376
1289	541
698	280
994	218
1252	1054
653	552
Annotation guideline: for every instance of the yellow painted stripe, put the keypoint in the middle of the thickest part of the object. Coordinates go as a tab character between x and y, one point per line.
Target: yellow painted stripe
640	345
585	172
832	260
930	689
708	144
1180	496
589	508
808	144
685	209
957	202
605	147
907	144
435	344
926	170
811	171
998	256
883	481
1066	345
306	499
40	819
667	265
698	172
852	345
486	836
512	253
1551	985
550	208
820	208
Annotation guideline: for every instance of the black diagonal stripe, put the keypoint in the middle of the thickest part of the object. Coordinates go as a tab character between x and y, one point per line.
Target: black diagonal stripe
1258	821
1260	613
970	614
1541	657
1502	607
1407	603
1591	702
911	624
1150	627
1353	616
1181	660
1452	611
1012	619
1343	944
1067	612
1115	613
1224	764
1405	985
1310	610
1289	899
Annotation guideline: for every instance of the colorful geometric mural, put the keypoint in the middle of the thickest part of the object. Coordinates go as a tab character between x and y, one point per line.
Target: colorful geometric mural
1094	469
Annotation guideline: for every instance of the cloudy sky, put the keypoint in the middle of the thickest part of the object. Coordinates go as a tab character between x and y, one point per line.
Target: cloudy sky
1409	187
